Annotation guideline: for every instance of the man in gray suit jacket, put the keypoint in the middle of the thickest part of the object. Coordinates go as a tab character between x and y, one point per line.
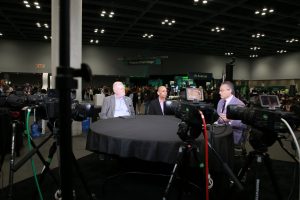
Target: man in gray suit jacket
117	105
227	98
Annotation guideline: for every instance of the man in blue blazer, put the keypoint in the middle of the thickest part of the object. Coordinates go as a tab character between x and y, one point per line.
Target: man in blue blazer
227	98
158	105
117	105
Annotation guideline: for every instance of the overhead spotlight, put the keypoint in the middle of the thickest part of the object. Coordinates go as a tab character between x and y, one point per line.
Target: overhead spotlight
96	30
147	35
38	25
1	34
258	35
111	14
229	54
264	11
292	40
281	51
102	14
94	41
217	29
47	37
168	22
36	4
196	2
254	48
253	56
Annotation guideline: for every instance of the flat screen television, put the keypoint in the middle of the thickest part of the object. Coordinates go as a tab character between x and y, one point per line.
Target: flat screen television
194	94
269	101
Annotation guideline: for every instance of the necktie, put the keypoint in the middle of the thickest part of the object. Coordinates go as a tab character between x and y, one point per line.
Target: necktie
223	108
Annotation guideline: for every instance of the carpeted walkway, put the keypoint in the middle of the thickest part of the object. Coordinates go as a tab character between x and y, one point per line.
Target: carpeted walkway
151	187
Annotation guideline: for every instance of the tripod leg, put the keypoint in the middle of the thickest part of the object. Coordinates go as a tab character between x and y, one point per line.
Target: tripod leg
226	168
12	161
46	168
173	175
91	195
181	151
245	168
268	165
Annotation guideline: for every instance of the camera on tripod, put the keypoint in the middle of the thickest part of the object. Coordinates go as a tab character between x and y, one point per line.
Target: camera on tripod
265	120
187	110
46	105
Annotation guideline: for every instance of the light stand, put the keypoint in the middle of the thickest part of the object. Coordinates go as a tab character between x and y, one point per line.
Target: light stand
64	84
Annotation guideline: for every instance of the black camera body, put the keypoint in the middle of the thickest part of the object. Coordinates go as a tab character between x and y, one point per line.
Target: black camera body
263	118
266	123
191	125
46	105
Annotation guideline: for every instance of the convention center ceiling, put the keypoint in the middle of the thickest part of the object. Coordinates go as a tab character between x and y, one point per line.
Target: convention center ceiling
241	28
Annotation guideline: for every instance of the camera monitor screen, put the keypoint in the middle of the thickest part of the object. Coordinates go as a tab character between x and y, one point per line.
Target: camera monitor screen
194	94
269	101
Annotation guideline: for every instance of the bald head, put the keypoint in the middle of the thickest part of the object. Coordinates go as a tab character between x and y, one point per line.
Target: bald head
162	93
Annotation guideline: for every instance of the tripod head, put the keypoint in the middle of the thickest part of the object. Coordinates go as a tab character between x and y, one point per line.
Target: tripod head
260	140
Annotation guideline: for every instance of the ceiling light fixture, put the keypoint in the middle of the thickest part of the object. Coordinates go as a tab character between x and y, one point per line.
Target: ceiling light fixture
96	30
168	22
45	25
255	48
253	56
111	14
229	54
258	35
217	29
281	51
196	2
28	4
292	40
148	35
92	41
1	34
264	11
47	37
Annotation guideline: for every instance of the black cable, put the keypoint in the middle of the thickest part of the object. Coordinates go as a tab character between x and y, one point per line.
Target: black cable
281	145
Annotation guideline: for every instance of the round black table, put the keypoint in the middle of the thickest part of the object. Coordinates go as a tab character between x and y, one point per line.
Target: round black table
150	138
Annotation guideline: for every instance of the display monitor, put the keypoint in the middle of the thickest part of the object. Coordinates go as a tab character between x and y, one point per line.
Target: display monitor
269	101
194	94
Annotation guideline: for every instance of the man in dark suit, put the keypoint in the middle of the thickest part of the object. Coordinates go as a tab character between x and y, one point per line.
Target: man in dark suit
117	105
158	105
227	98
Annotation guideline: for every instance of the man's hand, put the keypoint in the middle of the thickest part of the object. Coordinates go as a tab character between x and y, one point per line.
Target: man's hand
224	118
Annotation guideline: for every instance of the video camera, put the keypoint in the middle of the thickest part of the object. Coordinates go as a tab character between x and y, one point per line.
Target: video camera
265	120
266	117
187	109
46	105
